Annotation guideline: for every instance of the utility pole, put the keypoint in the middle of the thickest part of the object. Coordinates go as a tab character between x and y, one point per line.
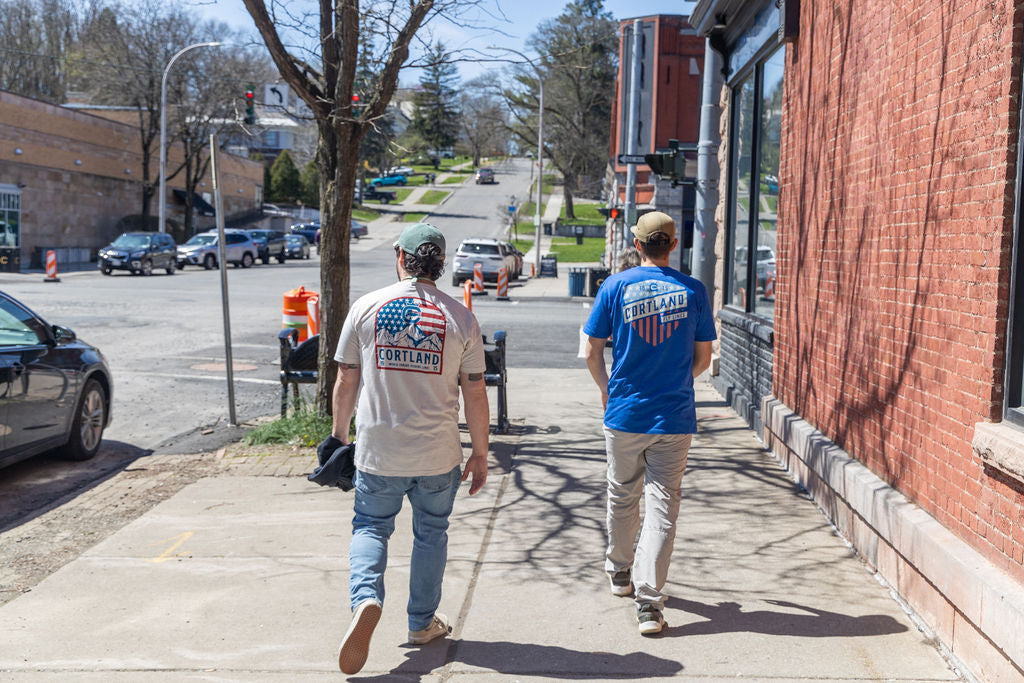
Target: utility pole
631	129
705	230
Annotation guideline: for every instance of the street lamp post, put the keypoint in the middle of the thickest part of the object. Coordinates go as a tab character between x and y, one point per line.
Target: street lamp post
540	156
162	199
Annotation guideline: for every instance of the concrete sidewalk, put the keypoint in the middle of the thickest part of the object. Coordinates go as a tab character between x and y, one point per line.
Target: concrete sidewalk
242	576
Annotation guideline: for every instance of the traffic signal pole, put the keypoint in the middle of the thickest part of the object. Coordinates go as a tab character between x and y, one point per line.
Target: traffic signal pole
631	132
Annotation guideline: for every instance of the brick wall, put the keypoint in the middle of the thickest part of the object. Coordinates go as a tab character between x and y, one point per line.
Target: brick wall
81	173
894	256
745	365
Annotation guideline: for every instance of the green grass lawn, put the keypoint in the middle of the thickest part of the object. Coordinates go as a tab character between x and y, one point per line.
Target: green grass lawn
569	252
413	217
365	215
455	179
586	214
523	245
433	197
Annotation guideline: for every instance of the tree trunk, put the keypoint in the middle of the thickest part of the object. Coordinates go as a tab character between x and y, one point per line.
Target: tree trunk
337	192
567	186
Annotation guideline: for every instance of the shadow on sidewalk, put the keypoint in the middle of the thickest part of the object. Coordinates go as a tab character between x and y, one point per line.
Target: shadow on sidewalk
527	659
729	617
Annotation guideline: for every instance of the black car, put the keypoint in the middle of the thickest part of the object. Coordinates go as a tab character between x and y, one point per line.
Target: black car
55	390
269	243
298	246
139	253
307	230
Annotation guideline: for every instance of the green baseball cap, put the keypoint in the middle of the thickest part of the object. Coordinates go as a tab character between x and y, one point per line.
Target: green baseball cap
419	233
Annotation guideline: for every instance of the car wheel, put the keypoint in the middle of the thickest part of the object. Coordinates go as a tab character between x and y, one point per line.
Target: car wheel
401	182
87	427
281	257
455	280
147	267
309	254
170	268
106	270
247	260
181	265
210	261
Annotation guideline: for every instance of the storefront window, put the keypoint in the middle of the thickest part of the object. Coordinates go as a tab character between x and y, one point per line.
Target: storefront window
770	135
757	125
10	217
742	190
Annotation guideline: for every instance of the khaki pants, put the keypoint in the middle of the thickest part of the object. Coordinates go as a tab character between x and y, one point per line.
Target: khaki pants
652	464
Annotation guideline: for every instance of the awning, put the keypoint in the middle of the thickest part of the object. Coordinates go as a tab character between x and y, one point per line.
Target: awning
201	206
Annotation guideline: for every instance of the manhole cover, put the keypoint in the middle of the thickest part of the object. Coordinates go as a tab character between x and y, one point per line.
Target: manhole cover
222	367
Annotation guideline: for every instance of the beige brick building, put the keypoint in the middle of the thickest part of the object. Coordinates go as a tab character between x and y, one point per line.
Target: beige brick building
67	177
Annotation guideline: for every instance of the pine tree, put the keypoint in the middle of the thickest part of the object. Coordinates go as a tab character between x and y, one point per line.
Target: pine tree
310	181
285	184
436	116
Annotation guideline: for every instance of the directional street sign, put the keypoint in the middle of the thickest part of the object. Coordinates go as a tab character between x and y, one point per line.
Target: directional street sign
631	159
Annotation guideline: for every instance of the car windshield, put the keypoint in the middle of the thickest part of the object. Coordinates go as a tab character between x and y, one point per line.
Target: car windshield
127	241
294	239
202	239
259	233
472	248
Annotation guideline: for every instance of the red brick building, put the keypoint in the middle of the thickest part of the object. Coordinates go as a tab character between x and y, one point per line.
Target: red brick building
880	350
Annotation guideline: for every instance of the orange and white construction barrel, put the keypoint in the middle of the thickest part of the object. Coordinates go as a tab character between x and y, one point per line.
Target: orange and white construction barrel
313	314
295	314
478	277
503	283
51	266
467	294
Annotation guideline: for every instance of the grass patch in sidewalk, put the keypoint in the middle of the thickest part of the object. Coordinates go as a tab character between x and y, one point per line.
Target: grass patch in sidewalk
413	217
303	427
365	215
433	197
455	179
570	252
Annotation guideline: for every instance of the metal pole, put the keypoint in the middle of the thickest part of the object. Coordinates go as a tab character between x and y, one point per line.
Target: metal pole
162	198
540	168
222	262
705	230
631	132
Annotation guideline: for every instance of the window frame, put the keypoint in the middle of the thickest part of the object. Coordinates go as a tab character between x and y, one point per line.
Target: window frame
1013	376
754	67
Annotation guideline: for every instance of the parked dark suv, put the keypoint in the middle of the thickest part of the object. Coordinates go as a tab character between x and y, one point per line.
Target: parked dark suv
269	243
139	252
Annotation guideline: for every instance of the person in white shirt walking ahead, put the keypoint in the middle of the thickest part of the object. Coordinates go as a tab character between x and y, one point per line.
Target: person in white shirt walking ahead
409	344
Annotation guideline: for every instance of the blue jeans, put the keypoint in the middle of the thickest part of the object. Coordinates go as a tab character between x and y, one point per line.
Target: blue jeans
378	501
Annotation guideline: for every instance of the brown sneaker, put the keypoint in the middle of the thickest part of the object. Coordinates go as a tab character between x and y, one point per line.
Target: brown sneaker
355	646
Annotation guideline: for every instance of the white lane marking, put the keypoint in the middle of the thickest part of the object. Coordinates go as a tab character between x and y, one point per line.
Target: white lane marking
218	378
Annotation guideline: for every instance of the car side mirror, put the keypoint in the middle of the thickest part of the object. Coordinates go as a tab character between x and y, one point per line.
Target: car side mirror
63	335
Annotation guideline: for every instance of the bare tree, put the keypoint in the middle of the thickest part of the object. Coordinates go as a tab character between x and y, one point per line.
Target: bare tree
36	38
484	117
323	73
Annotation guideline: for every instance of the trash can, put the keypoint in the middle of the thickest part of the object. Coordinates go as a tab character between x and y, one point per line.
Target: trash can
547	228
596	276
577	281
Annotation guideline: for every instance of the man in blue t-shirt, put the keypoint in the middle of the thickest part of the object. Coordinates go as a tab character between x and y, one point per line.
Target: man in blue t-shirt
661	323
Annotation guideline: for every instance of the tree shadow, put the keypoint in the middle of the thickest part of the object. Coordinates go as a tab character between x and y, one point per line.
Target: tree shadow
810	622
527	659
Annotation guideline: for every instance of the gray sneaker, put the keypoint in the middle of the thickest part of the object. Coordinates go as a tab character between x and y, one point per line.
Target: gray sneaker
437	628
355	646
621	583
649	618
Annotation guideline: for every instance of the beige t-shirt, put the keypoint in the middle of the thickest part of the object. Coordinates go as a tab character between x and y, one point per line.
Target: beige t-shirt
411	341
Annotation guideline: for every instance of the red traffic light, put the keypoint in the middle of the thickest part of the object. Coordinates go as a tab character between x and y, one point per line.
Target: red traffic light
613	213
249	95
355	99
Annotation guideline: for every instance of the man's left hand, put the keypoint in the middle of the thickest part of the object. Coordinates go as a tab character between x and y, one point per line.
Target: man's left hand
477	466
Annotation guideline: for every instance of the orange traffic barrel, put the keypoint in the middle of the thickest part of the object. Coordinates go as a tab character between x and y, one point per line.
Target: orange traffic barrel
296	311
478	277
503	283
51	266
467	294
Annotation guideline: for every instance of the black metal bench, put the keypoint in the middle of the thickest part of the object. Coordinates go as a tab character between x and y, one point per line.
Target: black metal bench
299	366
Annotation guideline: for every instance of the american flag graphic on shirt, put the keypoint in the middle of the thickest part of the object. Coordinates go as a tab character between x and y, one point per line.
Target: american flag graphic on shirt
410	335
654	309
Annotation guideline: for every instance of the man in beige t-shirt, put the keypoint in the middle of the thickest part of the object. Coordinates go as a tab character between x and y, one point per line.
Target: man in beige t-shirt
409	344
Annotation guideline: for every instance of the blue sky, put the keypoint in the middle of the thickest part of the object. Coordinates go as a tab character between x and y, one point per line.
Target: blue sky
522	19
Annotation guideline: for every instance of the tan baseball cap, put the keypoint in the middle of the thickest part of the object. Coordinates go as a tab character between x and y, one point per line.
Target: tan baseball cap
651	224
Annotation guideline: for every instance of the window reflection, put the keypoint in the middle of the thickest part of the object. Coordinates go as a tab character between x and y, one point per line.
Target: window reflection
741	176
769	136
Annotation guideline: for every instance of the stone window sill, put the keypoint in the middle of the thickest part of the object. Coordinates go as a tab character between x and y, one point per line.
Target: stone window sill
1000	446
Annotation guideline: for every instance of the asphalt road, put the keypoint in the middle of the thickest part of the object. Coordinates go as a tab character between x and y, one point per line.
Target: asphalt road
164	340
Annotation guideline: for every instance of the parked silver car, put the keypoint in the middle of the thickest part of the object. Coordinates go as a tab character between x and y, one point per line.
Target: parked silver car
202	250
491	254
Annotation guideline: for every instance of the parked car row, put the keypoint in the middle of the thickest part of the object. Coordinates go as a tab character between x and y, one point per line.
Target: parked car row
311	231
491	254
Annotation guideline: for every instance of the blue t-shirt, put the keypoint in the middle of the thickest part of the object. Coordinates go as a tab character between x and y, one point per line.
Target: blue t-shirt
654	315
